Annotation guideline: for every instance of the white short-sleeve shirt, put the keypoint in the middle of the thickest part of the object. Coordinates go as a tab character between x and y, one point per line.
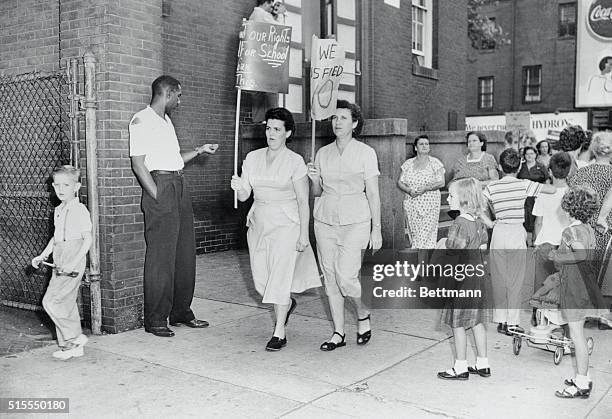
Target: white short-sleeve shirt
154	137
554	219
70	221
343	176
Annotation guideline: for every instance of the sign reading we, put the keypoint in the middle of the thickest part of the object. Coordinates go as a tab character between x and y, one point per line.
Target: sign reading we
263	57
325	74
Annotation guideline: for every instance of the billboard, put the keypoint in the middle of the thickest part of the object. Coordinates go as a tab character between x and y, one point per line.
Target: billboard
541	124
594	54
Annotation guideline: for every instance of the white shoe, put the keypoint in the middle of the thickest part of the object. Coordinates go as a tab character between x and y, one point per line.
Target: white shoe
74	352
81	340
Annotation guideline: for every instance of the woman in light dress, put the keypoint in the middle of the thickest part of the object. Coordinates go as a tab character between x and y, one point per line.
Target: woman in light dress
282	260
421	178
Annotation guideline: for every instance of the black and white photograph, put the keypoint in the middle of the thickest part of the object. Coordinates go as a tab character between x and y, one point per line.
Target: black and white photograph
306	208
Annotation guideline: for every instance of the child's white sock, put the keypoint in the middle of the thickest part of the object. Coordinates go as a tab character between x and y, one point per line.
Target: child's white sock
461	366
582	381
482	363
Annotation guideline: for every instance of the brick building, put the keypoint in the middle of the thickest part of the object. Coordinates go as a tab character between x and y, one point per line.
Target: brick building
405	54
537	71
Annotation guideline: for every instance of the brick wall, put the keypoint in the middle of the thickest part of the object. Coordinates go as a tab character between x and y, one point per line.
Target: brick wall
536	42
436	98
199	46
126	40
395	91
389	31
496	63
28	36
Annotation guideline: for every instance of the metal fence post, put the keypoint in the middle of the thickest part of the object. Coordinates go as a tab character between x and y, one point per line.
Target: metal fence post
90	105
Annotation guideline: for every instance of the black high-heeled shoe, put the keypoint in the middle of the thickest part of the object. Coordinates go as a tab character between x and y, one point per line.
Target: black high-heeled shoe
330	346
365	337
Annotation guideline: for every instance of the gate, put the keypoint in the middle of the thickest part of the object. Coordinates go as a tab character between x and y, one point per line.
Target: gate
37	123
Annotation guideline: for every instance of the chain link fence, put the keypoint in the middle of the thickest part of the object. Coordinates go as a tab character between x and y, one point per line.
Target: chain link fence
34	138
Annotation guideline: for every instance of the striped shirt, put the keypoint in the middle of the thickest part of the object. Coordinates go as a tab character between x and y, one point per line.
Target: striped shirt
507	196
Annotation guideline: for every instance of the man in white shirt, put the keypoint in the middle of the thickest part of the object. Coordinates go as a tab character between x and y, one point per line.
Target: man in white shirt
157	161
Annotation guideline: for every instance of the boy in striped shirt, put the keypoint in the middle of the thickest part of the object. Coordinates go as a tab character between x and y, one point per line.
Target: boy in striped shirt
506	198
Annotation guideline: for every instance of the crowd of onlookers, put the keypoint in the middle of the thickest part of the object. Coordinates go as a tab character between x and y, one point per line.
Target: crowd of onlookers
550	202
422	178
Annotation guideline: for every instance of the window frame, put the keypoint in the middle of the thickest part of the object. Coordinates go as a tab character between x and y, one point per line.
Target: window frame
527	84
564	25
296	81
330	21
425	54
482	94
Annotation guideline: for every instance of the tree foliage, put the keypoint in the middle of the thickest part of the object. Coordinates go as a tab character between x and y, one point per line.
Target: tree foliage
483	32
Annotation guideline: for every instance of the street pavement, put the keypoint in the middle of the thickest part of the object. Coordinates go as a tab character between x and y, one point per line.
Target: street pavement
224	370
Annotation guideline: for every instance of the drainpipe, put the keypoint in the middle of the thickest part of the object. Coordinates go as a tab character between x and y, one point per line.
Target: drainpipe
90	105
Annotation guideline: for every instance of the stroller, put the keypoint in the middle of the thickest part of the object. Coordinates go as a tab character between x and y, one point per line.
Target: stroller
548	334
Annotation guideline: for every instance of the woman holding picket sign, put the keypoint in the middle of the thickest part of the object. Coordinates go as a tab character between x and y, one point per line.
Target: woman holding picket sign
282	260
346	214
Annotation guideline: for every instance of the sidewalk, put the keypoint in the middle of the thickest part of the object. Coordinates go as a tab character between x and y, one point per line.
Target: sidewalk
224	371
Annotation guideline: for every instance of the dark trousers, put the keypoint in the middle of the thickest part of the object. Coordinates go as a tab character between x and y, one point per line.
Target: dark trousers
169	272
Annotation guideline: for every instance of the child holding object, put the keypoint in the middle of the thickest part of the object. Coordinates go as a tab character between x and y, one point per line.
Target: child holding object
69	245
579	293
461	313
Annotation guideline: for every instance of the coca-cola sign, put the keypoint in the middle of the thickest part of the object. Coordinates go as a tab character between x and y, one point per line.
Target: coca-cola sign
599	18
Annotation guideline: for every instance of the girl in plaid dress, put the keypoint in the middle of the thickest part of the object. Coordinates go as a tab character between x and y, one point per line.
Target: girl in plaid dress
468	232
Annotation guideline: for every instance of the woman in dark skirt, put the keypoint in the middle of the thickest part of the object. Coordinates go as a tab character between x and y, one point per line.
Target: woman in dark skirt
535	171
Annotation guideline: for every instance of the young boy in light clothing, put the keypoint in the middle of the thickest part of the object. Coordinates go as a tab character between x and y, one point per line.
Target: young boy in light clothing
550	220
70	243
508	254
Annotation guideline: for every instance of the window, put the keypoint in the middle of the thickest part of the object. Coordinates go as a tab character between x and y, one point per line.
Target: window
485	92
532	84
567	19
341	21
294	99
422	34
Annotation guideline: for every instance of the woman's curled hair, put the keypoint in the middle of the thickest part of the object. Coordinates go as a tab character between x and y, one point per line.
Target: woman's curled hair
581	203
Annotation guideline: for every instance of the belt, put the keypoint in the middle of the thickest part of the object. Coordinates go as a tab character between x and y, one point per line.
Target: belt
167	172
273	201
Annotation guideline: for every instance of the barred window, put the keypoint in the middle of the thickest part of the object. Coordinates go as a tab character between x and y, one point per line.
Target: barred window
532	84
485	92
567	19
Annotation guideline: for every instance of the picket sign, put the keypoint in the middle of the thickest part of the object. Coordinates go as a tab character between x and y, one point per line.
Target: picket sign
263	66
327	58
